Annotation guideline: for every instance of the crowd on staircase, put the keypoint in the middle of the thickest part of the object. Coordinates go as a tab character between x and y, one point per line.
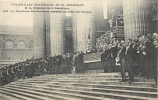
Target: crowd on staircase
58	64
137	57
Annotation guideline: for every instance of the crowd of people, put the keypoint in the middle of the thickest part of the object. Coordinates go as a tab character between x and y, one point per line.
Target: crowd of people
60	64
137	57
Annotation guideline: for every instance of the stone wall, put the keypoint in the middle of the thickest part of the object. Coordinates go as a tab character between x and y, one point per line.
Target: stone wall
16	47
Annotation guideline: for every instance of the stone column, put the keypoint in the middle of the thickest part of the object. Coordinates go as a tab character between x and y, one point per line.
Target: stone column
39	31
48	49
84	25
74	37
136	17
57	29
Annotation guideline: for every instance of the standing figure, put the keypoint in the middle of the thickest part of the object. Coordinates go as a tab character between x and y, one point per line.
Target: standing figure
136	55
121	57
129	60
110	61
104	59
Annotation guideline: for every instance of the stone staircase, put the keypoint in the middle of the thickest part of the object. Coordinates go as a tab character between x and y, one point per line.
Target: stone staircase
83	86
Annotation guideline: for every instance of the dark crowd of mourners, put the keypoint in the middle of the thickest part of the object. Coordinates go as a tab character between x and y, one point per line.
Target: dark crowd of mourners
136	57
59	64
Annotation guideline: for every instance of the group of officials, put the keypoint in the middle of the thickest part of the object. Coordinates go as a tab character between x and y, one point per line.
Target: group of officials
60	64
137	57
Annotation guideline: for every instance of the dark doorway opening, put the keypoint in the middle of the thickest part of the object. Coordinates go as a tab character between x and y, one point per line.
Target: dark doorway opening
68	42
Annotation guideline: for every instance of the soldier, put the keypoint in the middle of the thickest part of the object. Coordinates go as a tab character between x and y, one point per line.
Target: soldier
19	71
77	62
81	58
121	57
40	67
4	78
149	54
12	74
68	61
44	66
136	55
104	58
110	60
33	65
16	72
53	64
154	58
143	60
23	71
73	69
63	64
1	79
114	53
129	60
36	65
8	74
50	64
58	64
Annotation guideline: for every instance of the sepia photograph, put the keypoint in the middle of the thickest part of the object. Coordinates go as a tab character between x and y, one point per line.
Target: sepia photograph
78	49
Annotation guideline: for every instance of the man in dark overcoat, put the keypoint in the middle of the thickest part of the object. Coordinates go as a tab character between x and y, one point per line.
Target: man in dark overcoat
129	60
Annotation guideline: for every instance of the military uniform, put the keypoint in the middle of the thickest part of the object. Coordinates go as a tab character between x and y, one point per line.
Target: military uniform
121	56
129	62
104	60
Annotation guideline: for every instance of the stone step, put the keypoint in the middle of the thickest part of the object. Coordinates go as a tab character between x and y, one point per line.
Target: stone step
7	97
48	91
86	77
122	91
16	95
121	86
106	82
90	92
83	75
145	84
100	86
137	79
38	95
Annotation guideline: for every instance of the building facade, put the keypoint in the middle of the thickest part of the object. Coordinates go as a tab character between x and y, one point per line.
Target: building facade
56	33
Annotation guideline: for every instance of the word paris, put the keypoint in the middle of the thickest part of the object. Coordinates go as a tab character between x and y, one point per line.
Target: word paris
41	4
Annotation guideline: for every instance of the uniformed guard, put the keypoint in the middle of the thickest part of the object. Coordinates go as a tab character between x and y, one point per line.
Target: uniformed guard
104	58
136	56
78	69
110	58
149	55
121	57
129	60
3	76
16	72
12	74
8	74
62	68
